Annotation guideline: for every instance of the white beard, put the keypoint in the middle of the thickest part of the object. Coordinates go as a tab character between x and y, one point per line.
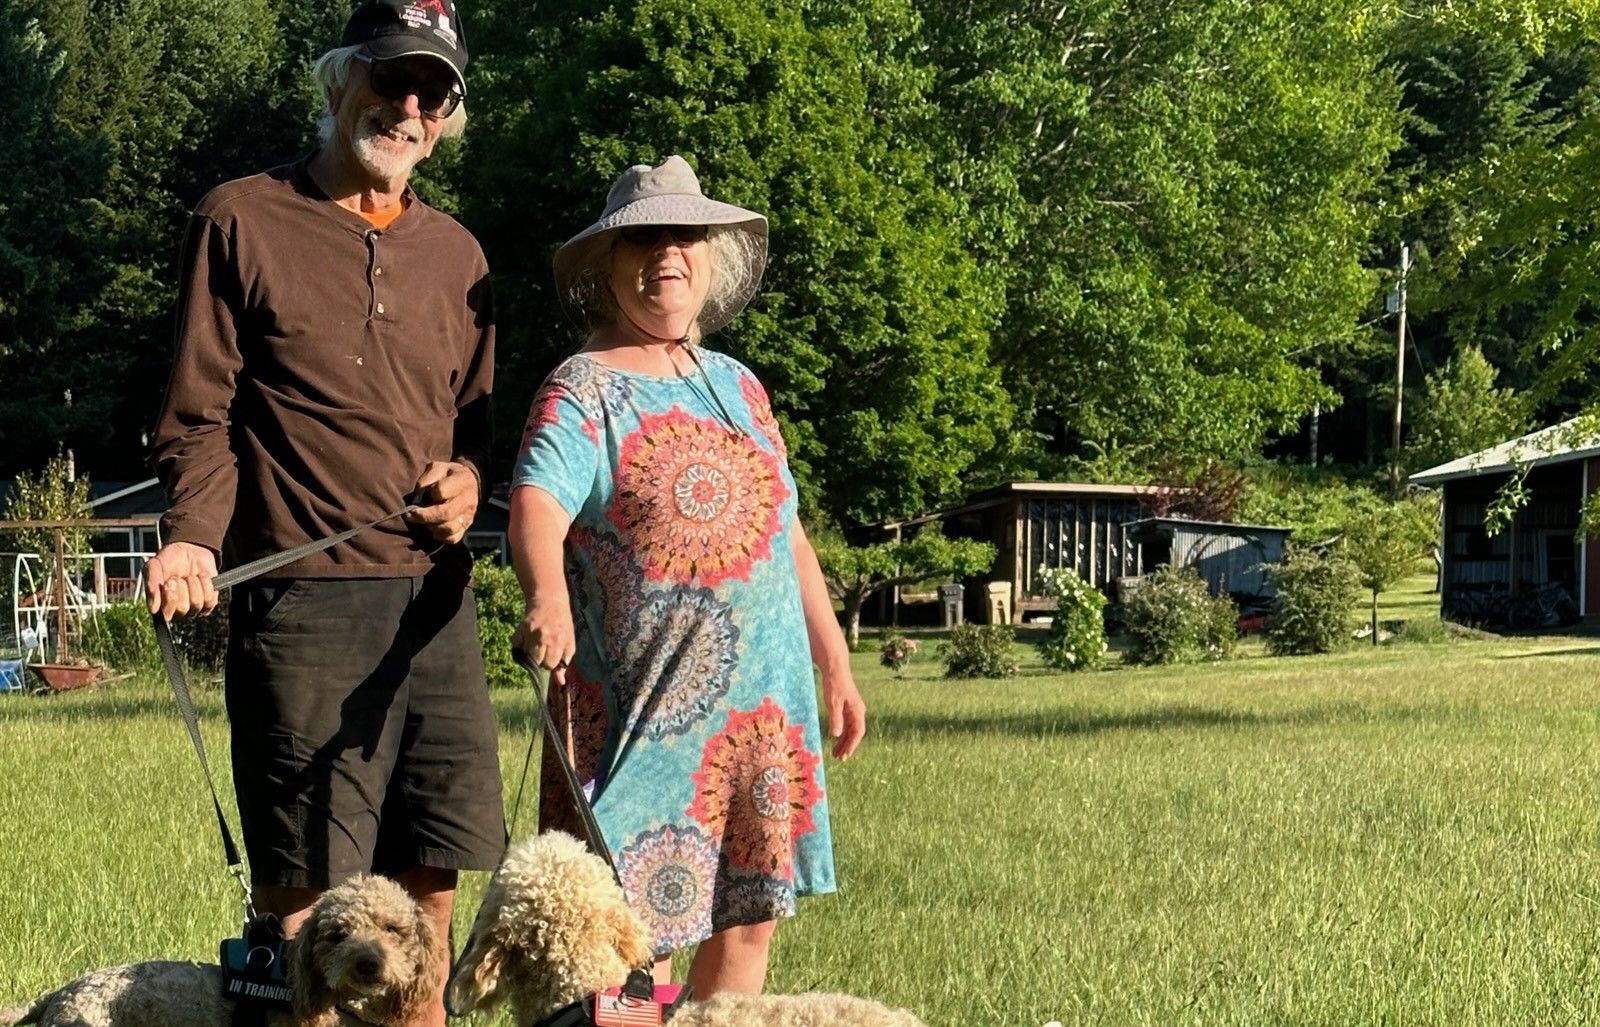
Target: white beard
377	155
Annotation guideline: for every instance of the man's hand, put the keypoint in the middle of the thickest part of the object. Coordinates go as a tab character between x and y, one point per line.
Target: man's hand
448	494
177	581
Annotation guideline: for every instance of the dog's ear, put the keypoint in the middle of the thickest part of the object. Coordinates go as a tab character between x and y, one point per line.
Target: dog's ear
431	957
630	937
475	979
313	998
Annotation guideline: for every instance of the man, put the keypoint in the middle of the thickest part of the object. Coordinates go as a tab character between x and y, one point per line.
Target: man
334	359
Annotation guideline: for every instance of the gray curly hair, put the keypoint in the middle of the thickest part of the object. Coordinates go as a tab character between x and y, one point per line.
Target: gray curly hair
734	259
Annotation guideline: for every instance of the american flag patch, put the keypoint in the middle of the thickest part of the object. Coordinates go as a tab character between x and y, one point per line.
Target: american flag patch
614	1009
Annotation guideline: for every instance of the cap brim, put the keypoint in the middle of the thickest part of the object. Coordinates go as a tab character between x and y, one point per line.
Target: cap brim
387	48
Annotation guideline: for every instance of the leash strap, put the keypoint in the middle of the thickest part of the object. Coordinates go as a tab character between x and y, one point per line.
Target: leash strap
591	826
271	562
180	689
180	684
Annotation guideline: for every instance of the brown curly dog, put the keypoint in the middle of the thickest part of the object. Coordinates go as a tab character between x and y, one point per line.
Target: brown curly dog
367	953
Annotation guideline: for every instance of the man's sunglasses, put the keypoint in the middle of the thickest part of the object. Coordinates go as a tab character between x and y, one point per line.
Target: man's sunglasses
646	235
435	99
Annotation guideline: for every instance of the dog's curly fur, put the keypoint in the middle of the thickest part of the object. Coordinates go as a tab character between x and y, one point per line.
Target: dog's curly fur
366	946
554	928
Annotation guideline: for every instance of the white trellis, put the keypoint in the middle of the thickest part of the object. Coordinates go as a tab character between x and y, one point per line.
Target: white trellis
51	595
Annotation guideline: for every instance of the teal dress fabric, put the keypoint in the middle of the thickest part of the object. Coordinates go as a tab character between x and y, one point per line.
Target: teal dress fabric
690	707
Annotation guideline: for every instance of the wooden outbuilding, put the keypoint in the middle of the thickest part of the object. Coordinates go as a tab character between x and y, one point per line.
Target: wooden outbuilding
1540	570
1035	525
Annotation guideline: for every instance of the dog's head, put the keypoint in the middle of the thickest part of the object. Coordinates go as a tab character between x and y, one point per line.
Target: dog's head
553	928
368	946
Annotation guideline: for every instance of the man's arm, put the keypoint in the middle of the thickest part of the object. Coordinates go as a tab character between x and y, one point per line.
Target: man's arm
192	456
474	431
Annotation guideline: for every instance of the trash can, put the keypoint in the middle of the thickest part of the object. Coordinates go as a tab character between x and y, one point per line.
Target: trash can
999	602
950	604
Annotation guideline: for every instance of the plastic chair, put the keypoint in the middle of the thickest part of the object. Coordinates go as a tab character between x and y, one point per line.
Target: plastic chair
13	676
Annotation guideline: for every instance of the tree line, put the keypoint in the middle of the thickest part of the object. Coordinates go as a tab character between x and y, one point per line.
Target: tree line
1010	238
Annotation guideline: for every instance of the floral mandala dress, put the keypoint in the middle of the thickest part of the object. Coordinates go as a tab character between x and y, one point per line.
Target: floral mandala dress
693	714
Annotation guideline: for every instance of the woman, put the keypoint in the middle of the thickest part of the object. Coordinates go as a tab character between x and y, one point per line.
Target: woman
682	616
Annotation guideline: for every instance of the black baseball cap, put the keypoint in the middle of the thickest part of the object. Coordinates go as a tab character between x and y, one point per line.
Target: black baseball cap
386	29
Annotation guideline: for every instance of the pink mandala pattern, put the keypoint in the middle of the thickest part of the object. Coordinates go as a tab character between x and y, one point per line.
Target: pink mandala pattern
545	410
755	788
699	502
755	397
669	874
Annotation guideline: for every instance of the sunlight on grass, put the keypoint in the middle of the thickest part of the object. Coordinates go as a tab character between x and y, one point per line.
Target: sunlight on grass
1399	835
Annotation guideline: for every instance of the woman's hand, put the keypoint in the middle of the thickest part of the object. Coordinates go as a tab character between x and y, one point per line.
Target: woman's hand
546	637
847	712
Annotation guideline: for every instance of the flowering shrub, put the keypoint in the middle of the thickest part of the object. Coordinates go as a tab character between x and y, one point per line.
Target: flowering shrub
1077	639
1172	618
1315	594
894	651
980	651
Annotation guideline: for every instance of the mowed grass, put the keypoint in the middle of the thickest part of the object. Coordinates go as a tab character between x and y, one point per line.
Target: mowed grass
1406	835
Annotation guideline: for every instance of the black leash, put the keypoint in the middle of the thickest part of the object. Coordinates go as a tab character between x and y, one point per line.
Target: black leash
591	826
180	684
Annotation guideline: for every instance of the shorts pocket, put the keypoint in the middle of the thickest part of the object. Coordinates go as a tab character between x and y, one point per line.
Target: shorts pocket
270	604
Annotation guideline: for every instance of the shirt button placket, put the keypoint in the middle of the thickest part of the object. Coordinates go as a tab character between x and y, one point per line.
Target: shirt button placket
374	272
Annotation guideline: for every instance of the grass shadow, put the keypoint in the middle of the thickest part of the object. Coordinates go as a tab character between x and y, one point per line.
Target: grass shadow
1050	724
1590	650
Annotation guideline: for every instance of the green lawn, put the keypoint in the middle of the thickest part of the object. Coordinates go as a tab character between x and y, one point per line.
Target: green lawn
1401	835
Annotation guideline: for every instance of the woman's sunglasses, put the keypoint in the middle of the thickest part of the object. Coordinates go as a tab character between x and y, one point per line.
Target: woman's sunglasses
435	99
646	235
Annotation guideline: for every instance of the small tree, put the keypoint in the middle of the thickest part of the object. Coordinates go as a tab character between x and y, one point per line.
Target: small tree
51	495
1211	491
1385	542
1462	412
854	573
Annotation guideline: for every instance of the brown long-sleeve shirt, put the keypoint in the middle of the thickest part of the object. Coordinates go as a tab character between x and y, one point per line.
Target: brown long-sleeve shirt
321	365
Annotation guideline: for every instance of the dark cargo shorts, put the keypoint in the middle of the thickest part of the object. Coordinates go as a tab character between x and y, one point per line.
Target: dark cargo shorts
362	733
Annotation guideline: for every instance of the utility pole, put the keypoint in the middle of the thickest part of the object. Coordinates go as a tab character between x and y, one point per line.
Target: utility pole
1399	367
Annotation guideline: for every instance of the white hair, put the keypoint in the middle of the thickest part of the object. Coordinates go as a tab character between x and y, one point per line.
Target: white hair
330	73
734	261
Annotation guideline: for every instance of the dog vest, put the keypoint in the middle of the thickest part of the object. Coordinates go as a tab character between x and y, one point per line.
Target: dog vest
638	1003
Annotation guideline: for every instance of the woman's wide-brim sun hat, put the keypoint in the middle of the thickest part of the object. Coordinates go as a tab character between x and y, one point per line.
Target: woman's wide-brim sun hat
667	194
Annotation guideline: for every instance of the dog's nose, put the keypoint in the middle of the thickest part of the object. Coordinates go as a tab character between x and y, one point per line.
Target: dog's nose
367	967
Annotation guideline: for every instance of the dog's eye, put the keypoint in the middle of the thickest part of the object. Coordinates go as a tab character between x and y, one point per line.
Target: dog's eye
395	929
